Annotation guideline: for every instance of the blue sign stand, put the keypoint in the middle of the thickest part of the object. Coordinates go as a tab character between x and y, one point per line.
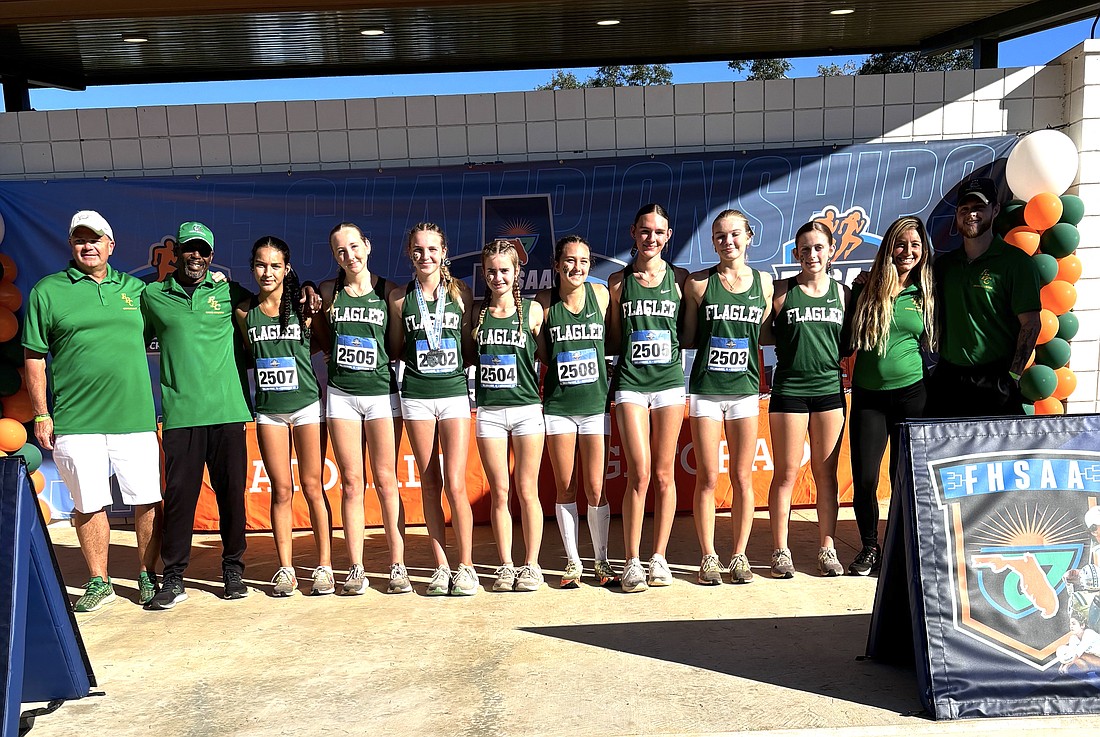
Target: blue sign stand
990	582
43	658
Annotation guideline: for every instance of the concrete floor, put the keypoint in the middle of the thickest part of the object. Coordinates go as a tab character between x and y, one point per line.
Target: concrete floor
779	657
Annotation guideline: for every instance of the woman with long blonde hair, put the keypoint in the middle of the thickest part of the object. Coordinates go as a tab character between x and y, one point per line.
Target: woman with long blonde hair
430	329
509	409
892	321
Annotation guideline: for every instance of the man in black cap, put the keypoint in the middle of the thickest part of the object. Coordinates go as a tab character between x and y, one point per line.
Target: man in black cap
988	305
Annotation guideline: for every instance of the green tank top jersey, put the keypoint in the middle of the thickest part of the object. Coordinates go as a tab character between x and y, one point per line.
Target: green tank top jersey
506	374
807	342
727	341
901	364
576	377
284	375
360	362
649	359
432	372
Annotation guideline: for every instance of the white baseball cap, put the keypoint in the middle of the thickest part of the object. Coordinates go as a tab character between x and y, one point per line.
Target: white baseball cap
93	221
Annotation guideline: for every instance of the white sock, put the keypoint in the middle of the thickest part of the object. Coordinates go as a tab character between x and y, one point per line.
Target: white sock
569	524
599	523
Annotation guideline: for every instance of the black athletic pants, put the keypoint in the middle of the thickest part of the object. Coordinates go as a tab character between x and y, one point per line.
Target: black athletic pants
220	449
985	390
877	416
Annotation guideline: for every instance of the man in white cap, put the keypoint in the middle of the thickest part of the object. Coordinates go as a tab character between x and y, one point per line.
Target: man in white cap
89	318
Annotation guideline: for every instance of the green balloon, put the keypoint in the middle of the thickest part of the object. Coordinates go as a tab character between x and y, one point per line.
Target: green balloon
9	381
1048	267
1060	240
1038	382
32	455
1068	325
1011	216
1029	409
1053	353
1073	209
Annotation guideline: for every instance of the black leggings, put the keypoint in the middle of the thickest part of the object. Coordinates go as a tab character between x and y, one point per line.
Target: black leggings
876	417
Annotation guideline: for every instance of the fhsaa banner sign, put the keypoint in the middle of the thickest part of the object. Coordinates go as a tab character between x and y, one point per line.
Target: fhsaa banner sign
1001	529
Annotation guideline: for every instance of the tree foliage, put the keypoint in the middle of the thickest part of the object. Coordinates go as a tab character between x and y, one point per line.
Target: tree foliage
836	70
763	68
631	75
914	61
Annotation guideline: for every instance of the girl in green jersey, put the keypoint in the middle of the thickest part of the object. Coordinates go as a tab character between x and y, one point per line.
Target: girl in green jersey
363	409
509	408
649	389
575	394
724	307
288	409
807	397
892	320
430	330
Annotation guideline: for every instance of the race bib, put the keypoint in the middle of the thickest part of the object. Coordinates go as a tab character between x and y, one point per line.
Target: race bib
498	372
578	367
356	354
728	355
650	347
441	360
277	374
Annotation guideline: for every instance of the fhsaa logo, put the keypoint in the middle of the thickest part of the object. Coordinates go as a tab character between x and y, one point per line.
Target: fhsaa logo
855	246
1020	549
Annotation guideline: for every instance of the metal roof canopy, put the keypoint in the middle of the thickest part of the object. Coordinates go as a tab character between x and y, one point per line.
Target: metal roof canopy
73	45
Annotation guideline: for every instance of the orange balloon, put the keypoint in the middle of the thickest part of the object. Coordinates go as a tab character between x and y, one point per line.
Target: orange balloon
1067	383
10	296
18	406
1069	268
1048	326
1030	361
1050	406
44	506
1043	210
10	269
39	481
1024	238
12	434
1058	296
9	325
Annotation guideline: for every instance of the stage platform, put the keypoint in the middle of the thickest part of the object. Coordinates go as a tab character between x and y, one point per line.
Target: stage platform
774	657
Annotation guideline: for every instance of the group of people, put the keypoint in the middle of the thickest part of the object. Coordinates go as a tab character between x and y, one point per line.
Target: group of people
599	345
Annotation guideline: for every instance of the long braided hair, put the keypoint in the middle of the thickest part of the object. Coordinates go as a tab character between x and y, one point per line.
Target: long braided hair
875	307
292	287
341	277
500	247
449	282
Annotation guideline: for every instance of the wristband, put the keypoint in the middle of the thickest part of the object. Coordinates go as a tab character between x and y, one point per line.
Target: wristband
42	417
1015	376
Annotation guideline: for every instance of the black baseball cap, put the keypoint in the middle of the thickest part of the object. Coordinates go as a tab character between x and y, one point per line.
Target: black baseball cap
981	187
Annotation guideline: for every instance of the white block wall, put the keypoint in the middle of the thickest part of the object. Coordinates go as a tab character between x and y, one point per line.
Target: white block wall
593	123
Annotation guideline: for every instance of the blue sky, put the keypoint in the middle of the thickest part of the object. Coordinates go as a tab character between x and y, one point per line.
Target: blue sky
1031	50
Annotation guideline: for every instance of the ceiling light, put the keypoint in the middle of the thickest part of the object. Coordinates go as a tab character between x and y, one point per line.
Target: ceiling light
842	11
608	22
373	31
135	40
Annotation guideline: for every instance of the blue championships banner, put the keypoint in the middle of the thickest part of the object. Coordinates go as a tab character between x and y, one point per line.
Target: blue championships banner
857	190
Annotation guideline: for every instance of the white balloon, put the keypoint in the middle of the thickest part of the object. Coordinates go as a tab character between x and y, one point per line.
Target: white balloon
1043	161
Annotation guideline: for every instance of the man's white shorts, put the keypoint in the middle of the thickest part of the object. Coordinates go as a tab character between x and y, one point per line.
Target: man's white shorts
725	406
652	400
447	408
578	424
344	406
311	415
500	422
86	462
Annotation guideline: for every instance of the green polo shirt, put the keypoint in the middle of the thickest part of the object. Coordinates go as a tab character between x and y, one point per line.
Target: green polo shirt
99	373
900	365
979	302
202	367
